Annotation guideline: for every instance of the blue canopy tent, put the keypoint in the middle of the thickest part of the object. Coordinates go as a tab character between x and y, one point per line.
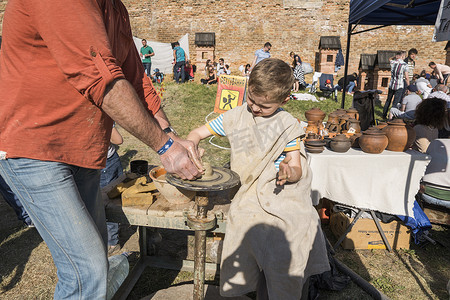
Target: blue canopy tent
386	13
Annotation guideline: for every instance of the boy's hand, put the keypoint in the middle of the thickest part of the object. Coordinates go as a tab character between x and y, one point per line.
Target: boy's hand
284	172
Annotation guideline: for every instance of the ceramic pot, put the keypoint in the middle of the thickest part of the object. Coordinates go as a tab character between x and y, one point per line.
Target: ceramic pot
400	136
315	114
353	113
340	143
312	127
340	112
343	123
333	118
171	193
373	141
353	126
355	139
381	125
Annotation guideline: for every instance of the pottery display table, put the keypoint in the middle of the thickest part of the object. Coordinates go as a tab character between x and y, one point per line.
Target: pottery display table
160	214
385	182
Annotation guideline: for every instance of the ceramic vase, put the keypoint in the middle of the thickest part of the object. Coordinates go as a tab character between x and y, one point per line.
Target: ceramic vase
400	135
373	141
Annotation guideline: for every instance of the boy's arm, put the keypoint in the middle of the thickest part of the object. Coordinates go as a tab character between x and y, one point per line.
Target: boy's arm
290	168
199	134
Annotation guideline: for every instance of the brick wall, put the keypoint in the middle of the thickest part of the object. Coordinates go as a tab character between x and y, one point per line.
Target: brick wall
241	27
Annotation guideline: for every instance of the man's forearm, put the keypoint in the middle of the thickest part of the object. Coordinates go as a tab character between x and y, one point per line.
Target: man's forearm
123	105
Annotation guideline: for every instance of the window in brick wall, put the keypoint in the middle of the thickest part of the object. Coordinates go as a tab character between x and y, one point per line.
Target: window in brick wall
384	82
205	55
329	58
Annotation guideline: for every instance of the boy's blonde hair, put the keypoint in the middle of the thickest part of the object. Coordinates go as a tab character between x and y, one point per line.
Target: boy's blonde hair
272	78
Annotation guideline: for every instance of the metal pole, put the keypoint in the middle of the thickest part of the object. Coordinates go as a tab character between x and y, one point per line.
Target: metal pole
347	55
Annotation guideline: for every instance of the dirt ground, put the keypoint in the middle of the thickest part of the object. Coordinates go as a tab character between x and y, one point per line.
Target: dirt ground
27	270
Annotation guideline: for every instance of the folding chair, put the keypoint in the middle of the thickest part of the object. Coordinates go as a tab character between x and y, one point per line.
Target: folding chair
327	91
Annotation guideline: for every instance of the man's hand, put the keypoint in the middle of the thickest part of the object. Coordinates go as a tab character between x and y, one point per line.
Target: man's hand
177	161
193	152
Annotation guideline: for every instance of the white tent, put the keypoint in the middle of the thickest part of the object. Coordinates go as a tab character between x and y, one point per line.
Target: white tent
163	53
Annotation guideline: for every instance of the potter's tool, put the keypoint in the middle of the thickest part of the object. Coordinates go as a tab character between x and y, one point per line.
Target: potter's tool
214	179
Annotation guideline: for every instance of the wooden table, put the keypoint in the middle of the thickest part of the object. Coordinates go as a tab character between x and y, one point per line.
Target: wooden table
160	214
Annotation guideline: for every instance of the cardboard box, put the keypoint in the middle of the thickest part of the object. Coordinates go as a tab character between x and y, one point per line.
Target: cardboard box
365	235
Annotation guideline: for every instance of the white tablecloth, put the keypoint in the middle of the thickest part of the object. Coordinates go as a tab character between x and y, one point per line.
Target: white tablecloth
385	182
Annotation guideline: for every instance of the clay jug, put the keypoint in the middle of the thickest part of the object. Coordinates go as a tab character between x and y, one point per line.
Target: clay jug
373	140
312	127
353	113
340	112
353	126
399	135
315	114
340	143
343	123
333	118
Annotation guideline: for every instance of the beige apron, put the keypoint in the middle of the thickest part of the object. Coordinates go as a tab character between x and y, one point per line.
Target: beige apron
270	230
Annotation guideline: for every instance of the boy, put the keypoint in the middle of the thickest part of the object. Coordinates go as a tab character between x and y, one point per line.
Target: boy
273	241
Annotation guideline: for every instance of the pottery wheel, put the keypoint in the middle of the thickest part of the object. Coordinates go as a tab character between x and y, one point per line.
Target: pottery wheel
220	179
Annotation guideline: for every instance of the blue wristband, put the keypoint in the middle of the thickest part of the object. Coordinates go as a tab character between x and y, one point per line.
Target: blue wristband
165	147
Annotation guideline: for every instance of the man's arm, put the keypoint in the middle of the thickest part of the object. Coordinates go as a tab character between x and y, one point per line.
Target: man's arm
403	108
253	62
123	105
174	56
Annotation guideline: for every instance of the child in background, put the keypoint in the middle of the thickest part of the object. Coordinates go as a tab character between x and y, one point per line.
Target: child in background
226	69
273	240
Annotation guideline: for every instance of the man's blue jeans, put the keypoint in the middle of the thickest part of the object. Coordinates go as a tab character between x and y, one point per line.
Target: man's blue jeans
64	203
397	95
179	69
148	69
14	202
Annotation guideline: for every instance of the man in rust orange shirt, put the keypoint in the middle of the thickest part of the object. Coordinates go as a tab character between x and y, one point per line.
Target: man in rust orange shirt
83	72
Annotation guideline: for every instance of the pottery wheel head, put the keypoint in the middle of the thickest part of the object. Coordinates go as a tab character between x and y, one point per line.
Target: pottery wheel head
217	179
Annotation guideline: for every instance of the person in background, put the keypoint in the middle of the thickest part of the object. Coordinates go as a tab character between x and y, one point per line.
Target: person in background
296	59
440	91
227	70
246	70
440	71
423	85
409	104
110	172
352	82
261	54
430	117
179	61
220	67
299	74
15	204
410	61
146	55
211	78
189	71
399	75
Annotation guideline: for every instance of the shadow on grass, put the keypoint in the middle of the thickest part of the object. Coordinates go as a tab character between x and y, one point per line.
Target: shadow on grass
16	245
432	260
